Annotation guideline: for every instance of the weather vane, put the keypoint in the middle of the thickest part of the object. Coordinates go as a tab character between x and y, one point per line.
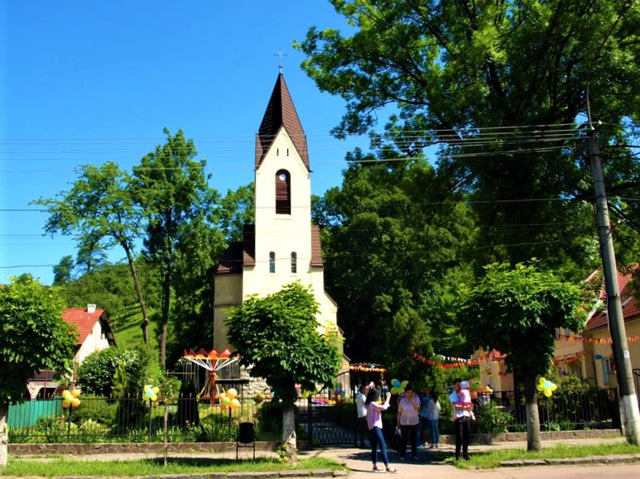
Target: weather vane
280	54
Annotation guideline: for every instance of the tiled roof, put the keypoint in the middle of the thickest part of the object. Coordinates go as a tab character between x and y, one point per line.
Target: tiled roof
316	247
239	253
281	113
630	306
82	320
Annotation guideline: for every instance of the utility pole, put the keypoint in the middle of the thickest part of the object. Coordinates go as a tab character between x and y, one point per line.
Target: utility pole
628	397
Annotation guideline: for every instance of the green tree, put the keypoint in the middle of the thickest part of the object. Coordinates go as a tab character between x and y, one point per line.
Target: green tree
499	86
277	337
394	241
62	272
170	187
516	311
99	210
33	336
236	210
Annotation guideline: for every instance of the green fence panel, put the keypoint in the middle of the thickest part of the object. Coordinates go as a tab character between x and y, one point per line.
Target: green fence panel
27	413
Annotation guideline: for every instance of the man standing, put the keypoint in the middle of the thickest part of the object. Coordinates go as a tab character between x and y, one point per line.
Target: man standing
362	414
461	419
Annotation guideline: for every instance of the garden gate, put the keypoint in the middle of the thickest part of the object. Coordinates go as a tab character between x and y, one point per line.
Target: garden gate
326	422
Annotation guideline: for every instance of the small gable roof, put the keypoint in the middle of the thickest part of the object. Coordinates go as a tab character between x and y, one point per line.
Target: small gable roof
630	305
281	113
84	322
239	253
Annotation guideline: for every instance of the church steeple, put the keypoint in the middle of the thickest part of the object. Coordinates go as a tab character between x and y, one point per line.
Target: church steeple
281	113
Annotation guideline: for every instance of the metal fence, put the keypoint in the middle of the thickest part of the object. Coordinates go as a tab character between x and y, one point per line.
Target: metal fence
592	408
319	418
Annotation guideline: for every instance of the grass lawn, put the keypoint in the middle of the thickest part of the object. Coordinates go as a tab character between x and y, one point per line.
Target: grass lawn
492	459
148	467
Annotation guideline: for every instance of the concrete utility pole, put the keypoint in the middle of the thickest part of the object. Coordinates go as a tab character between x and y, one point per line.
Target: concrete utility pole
628	397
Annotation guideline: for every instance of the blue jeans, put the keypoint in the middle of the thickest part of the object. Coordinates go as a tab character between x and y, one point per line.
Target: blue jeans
435	432
376	437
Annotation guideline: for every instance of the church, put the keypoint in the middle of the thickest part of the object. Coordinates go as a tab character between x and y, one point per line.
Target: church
282	246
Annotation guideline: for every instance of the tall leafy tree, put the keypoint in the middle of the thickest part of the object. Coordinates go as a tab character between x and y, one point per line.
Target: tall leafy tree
517	310
499	85
394	241
33	336
99	210
170	188
63	271
277	336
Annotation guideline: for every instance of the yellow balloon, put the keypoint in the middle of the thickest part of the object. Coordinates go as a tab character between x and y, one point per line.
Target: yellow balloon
75	402
540	387
547	393
221	396
65	404
554	387
231	393
66	394
154	398
75	393
234	404
156	390
542	381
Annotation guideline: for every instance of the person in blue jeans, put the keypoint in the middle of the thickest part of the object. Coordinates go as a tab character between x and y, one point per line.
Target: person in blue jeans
434	418
374	422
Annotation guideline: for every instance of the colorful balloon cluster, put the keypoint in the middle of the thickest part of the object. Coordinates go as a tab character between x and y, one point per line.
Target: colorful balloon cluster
70	398
228	399
397	386
151	393
478	388
546	387
339	393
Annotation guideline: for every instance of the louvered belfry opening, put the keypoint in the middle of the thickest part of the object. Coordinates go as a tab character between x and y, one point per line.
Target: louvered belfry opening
283	193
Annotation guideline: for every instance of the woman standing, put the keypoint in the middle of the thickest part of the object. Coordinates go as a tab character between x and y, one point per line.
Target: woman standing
408	419
374	422
434	417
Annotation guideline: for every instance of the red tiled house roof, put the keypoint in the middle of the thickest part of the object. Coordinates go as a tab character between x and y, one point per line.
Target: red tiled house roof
630	305
84	322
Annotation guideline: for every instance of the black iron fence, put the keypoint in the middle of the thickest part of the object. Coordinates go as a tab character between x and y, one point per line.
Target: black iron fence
320	417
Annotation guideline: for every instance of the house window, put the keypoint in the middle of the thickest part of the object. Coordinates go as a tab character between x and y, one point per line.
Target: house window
272	262
294	262
283	192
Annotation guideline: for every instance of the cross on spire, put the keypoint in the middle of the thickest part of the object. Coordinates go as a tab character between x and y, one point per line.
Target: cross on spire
280	54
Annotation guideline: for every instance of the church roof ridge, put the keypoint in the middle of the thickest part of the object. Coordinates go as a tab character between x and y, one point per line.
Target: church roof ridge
281	112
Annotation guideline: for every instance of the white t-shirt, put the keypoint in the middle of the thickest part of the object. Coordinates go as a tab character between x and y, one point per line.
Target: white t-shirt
434	410
409	410
458	413
360	404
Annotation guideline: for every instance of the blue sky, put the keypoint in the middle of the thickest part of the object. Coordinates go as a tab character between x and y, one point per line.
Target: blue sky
84	82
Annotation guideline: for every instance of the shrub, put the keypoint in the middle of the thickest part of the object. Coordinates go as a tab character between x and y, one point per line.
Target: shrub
345	415
491	419
96	409
96	373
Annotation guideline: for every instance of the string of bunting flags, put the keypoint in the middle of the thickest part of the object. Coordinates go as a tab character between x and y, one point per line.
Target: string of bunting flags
569	359
442	361
578	339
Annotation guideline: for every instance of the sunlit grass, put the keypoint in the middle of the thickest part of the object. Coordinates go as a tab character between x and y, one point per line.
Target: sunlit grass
492	459
148	467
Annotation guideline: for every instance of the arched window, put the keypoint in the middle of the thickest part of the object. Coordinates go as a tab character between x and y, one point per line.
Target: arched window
294	262
272	262
283	192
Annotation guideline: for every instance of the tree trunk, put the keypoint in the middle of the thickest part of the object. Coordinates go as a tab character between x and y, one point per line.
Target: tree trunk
289	430
533	416
166	303
136	282
4	439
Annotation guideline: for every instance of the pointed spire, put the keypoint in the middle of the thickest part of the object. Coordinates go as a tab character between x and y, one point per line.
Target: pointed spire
281	113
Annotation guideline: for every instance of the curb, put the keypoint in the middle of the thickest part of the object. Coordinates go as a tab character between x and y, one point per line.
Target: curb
231	475
574	461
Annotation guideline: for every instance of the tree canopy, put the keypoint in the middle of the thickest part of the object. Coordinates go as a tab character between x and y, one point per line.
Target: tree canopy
33	336
277	337
500	87
517	311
